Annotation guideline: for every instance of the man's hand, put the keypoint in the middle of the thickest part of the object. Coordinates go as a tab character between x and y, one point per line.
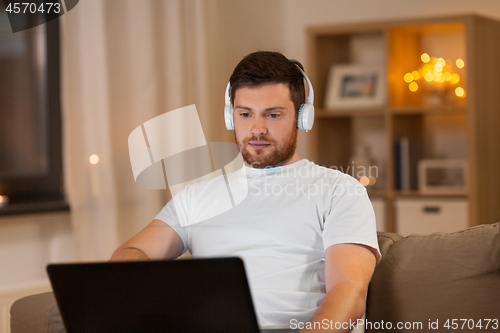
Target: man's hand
156	241
348	271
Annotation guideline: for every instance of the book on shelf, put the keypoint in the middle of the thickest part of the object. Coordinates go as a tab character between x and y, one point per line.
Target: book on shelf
404	144
397	166
406	156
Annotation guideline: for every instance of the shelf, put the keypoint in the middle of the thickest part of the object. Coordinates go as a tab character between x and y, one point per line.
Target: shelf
402	110
324	113
417	194
465	129
450	109
413	194
34	207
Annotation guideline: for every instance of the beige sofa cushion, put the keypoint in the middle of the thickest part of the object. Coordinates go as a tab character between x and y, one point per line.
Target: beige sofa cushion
439	277
385	241
36	314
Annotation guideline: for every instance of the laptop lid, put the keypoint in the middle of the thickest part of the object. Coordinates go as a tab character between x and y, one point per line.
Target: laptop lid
197	295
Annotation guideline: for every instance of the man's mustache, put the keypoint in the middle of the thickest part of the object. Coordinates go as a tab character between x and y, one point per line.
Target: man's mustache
260	139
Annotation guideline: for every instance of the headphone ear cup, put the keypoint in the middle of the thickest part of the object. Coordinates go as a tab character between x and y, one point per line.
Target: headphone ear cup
228	117
306	117
299	117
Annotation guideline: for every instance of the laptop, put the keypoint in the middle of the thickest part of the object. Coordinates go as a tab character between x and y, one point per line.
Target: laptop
196	295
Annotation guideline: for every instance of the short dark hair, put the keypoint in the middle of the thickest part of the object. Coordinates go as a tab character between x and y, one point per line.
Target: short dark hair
263	67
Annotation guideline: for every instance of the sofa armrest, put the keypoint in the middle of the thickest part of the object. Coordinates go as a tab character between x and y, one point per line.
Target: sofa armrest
36	314
385	241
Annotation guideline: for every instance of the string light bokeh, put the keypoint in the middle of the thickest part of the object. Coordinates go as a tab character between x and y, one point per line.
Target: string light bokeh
437	72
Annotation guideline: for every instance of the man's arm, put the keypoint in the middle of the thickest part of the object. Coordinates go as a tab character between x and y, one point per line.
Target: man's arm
348	271
156	241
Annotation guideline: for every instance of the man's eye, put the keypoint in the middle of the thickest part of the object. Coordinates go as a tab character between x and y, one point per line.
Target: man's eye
274	115
245	115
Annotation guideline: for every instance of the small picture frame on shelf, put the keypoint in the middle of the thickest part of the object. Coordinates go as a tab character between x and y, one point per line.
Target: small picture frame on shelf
441	176
355	86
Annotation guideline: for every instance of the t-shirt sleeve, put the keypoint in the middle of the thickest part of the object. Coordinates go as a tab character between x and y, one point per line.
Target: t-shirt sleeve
351	218
169	215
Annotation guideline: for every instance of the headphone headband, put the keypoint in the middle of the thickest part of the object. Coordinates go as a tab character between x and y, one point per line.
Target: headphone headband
310	97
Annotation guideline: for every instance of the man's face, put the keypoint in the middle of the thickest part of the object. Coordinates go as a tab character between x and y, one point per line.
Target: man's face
265	125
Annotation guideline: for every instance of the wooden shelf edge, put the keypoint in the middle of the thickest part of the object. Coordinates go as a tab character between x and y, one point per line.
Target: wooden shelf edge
457	109
406	110
417	194
338	113
392	195
409	23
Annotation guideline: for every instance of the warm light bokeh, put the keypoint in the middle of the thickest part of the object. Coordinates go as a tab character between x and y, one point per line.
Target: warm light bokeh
94	159
436	71
455	78
364	181
413	86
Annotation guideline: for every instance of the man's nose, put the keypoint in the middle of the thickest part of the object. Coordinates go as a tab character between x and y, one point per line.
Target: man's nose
259	126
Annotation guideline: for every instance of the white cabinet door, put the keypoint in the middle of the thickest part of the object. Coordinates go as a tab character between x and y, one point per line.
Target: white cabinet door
426	216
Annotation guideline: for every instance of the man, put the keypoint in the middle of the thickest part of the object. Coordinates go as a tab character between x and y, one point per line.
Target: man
305	233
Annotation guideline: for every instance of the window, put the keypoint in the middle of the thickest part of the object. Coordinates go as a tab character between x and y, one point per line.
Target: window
30	119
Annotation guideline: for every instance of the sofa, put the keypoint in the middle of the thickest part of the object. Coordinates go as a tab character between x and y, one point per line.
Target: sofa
430	283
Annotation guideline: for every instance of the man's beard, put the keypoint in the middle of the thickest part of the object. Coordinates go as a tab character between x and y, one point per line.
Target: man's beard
274	155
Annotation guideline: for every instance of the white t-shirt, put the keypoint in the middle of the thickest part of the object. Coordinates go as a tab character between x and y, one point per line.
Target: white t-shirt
281	230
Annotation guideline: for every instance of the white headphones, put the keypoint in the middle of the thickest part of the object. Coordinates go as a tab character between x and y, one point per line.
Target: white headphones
305	118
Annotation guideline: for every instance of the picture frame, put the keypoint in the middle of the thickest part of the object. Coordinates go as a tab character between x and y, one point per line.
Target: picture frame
438	176
355	86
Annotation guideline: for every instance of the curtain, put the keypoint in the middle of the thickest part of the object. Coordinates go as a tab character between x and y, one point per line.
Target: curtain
124	62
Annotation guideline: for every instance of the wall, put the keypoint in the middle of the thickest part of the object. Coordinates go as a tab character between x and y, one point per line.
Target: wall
27	244
234	29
